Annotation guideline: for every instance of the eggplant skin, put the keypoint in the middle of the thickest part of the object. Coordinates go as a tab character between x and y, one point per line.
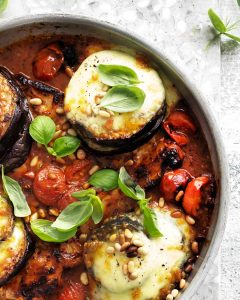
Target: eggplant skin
14	252
16	142
112	147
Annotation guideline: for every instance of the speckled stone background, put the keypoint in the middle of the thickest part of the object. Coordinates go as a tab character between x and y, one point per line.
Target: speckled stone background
181	29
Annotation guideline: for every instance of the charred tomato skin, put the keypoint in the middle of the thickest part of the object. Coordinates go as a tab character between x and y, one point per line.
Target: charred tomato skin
49	184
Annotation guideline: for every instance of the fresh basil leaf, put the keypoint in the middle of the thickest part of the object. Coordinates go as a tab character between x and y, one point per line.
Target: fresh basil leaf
3	5
117	75
97	213
123	98
42	129
16	196
84	194
233	37
216	21
238	1
51	151
149	220
66	145
74	215
105	179
44	230
129	187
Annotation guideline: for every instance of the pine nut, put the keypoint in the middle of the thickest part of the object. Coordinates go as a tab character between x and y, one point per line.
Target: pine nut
125	269
113	238
104	114
34	161
176	214
133	275
57	134
81	154
69	72
190	220
169	297
174	293
128	234
195	248
34	216
179	195
110	250
124	246
89	110
60	160
27	219
161	202
142	251
182	283
84	278
53	212
117	246
94	169
86	185
42	213
72	132
131	267
30	174
138	243
35	101
60	111
188	268
122	239
83	237
129	163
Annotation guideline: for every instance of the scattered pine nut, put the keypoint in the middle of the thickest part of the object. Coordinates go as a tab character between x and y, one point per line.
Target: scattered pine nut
128	234
161	202
182	283
117	246
131	267
94	169
30	174
142	251
86	185
35	101
133	275
110	250
60	111
53	212
179	195
34	161
190	220
138	243
72	132
122	238
89	110
176	214
113	238
57	134
83	237
81	154
195	248
124	246
169	297
42	213
174	293
27	219
84	278
34	216
188	268
69	72
104	114
125	269
129	163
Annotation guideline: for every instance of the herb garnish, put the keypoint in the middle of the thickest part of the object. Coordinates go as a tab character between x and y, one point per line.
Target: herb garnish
106	179
221	27
16	196
42	130
3	5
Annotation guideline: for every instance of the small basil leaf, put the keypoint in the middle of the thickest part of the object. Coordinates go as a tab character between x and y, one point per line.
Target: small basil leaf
122	98
117	75
51	151
44	230
128	186
97	213
216	21
233	37
16	196
105	179
74	215
42	129
3	5
150	221
66	145
84	194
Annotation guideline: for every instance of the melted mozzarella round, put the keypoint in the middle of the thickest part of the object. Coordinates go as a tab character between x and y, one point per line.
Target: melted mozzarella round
155	271
85	89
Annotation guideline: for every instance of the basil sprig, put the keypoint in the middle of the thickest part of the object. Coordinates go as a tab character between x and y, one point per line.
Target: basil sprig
134	191
106	179
123	98
221	27
16	196
42	130
117	75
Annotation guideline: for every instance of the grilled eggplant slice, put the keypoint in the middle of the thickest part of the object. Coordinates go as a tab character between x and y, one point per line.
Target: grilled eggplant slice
108	132
15	141
14	251
6	219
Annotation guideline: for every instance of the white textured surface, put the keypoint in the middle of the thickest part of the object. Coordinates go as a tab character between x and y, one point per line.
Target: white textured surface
180	29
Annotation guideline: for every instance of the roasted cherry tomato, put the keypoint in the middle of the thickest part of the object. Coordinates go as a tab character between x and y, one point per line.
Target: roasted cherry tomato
172	181
47	62
49	184
192	195
172	156
67	199
78	173
73	291
178	120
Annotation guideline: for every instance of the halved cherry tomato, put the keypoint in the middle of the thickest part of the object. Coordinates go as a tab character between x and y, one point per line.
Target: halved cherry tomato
49	184
172	181
47	62
192	195
73	291
176	121
172	155
78	172
67	199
